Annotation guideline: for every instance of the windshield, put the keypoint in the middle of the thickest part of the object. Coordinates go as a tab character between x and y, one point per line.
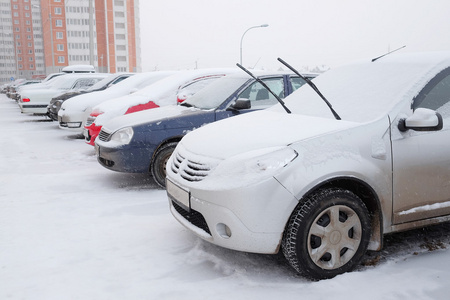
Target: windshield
216	93
364	91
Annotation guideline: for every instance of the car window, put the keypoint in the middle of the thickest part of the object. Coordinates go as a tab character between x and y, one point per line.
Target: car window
297	82
436	94
193	87
84	83
260	96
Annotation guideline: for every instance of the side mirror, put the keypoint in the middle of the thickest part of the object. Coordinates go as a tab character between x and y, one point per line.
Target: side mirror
423	119
241	104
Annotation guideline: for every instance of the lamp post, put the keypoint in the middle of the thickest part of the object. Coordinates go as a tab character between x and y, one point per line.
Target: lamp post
263	25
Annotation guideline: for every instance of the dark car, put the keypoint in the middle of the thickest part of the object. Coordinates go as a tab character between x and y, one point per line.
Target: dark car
56	102
143	142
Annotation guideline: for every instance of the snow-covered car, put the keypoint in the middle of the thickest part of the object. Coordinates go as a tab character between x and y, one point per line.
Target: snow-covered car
143	142
320	189
56	102
36	100
168	91
13	90
75	111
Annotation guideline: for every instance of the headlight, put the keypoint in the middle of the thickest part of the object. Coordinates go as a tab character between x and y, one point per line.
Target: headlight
272	161
253	166
122	136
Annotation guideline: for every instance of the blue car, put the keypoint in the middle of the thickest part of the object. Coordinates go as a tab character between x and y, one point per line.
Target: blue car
143	142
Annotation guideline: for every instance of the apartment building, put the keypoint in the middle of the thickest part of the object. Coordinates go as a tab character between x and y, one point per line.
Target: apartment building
39	37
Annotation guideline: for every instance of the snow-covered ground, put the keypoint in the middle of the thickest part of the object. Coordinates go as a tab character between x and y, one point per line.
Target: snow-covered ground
70	229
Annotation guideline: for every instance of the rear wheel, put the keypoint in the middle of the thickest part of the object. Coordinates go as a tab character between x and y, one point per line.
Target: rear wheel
159	162
328	234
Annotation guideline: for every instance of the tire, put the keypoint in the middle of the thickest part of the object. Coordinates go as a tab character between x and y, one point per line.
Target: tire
327	235
159	162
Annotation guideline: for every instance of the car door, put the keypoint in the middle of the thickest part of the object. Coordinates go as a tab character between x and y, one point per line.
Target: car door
421	160
259	96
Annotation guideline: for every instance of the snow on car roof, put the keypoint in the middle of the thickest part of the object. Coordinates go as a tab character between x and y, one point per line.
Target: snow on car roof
162	93
366	90
124	87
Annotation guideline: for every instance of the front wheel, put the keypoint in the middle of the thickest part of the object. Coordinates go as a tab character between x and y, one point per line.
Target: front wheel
159	162
328	234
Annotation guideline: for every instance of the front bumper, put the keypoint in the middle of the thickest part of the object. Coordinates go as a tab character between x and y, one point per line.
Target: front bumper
33	108
91	133
250	219
126	158
71	122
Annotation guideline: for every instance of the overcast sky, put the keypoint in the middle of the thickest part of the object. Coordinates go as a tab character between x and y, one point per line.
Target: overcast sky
183	34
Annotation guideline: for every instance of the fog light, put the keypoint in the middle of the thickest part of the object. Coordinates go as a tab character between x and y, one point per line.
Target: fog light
223	230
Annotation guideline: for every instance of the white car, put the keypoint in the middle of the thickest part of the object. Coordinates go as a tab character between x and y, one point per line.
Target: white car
36	100
74	112
320	189
168	91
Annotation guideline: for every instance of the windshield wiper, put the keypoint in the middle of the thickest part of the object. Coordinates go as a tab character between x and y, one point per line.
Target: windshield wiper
186	104
265	86
311	84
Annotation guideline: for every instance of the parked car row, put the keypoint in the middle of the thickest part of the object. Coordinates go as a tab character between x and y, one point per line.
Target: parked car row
319	170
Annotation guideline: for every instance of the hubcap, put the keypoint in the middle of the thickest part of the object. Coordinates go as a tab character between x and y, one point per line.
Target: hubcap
334	237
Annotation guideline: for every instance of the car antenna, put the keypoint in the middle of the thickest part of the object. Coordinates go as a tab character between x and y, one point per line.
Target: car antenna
313	86
265	85
376	58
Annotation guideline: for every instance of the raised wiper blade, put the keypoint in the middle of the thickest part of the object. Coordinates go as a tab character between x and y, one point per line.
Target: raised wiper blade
312	85
265	86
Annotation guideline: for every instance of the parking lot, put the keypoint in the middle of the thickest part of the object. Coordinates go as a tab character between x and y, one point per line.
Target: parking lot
71	229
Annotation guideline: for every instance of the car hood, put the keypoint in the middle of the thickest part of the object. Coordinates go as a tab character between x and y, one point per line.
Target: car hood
155	116
257	130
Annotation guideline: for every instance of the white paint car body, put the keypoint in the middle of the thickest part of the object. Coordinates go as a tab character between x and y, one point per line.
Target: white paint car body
75	111
249	176
36	100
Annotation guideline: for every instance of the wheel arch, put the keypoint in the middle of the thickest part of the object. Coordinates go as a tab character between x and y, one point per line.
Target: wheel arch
173	139
369	198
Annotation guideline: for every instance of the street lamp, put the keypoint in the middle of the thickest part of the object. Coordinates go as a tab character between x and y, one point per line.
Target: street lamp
263	25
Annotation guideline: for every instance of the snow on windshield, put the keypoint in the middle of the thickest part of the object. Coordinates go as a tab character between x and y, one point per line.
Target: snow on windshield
361	92
216	93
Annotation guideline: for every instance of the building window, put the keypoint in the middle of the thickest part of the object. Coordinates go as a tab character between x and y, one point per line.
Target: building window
58	11
30	58
29	44
30	51
58	23
61	59
60	47
28	37
16	14
59	35
120	36
31	66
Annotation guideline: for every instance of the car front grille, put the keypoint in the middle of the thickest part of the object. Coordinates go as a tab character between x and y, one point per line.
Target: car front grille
193	216
189	169
104	136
